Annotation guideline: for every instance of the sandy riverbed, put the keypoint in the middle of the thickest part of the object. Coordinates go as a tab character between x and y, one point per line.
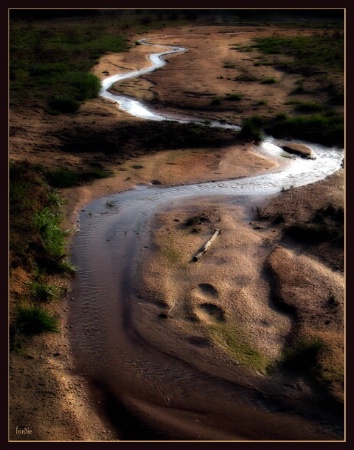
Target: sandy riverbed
71	412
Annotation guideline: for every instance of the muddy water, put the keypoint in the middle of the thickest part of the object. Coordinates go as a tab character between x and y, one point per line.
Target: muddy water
175	399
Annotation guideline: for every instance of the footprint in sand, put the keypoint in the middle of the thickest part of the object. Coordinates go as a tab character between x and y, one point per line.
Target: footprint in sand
207	310
208	290
210	312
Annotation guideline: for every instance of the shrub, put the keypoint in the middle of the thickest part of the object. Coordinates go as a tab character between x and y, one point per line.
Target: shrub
326	226
321	128
251	129
269	81
303	355
306	107
86	85
311	233
34	319
64	178
65	104
43	292
307	51
47	223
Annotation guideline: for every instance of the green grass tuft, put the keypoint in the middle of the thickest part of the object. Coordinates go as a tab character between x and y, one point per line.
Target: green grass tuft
246	77
43	292
48	225
251	129
237	345
269	81
307	107
34	319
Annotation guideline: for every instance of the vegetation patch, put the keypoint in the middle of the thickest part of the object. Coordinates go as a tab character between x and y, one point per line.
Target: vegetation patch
236	343
308	52
251	129
52	62
312	57
303	355
261	103
143	137
269	81
170	253
65	178
43	292
247	77
326	129
327	225
37	245
34	319
35	235
306	107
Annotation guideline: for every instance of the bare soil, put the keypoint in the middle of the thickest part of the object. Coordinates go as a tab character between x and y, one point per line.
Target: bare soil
47	393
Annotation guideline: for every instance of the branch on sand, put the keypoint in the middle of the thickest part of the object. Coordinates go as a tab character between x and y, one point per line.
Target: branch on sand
206	246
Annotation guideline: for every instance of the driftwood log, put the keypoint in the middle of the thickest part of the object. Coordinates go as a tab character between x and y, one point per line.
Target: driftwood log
206	246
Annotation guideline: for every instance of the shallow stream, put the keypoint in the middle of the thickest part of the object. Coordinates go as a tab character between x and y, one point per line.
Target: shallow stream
174	399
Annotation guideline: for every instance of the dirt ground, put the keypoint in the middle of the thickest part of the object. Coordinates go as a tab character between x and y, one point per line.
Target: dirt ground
47	393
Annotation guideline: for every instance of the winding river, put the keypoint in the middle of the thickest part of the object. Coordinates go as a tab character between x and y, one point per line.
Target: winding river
171	397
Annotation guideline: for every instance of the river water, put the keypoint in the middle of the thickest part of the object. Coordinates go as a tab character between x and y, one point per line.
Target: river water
158	389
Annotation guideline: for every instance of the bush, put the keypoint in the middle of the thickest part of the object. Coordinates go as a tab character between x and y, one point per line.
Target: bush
43	292
322	128
33	319
269	81
327	225
306	107
86	85
47	223
311	233
250	130
303	355
64	178
307	51
64	104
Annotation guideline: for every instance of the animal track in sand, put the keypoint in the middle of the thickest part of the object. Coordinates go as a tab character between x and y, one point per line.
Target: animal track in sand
205	308
208	290
210	312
